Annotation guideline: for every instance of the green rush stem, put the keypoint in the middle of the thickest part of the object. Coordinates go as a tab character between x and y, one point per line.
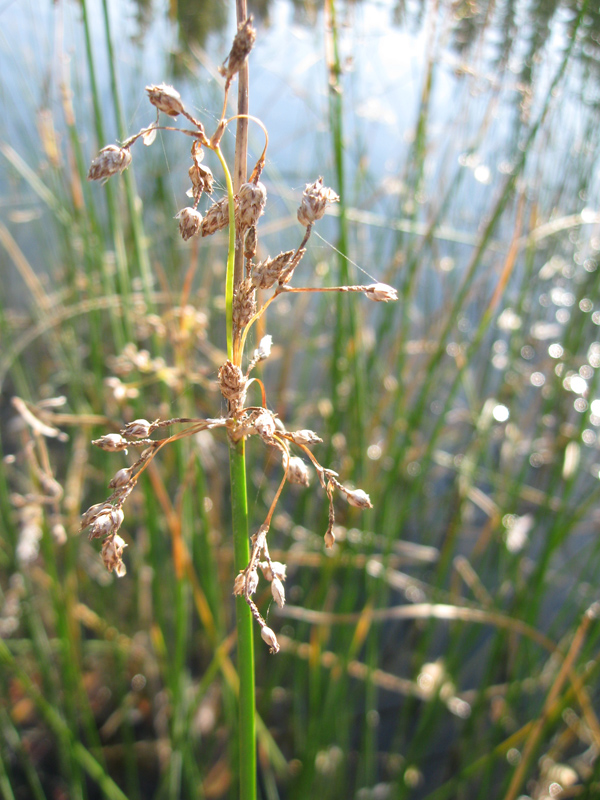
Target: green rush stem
137	226
347	327
115	227
230	259
245	635
246	739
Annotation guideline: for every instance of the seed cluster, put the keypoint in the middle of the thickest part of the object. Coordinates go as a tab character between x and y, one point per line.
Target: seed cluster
248	205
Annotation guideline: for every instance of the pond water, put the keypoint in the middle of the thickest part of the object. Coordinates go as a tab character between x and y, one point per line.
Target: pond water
459	83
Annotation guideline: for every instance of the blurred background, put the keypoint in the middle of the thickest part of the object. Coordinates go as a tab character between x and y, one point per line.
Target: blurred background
447	646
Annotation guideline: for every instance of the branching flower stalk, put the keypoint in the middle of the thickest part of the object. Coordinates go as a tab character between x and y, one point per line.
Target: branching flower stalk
240	211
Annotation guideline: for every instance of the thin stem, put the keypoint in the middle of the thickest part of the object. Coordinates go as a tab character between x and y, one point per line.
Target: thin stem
245	634
194	134
241	173
229	278
237	464
256	317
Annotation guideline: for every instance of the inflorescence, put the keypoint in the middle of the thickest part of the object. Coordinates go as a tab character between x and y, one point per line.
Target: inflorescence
247	205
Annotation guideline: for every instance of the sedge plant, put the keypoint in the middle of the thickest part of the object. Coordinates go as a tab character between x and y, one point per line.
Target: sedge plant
239	211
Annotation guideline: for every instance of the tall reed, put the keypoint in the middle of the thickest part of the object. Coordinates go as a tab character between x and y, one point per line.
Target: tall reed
239	211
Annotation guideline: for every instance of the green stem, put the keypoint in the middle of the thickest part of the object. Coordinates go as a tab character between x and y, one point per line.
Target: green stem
134	207
245	636
241	547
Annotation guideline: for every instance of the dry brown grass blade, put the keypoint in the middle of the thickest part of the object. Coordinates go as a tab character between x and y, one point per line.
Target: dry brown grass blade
440	611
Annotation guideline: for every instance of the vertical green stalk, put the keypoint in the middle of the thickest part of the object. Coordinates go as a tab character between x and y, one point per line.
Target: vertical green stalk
346	352
246	739
245	634
135	215
120	336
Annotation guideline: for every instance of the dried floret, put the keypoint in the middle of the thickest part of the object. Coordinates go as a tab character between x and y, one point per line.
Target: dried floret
138	429
109	161
264	424
111	442
314	202
112	555
190	221
202	180
252	200
357	498
278	592
305	437
217	217
298	471
269	637
380	292
268	272
166	99
242	45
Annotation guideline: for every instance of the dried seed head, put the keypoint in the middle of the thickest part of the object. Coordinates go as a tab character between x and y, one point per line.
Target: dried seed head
298	471
202	180
90	515
356	497
278	592
239	584
217	217
122	478
190	221
250	243
329	539
242	45
278	569
233	384
314	202
269	637
252	199
111	442
273	569
138	429
110	160
109	521
263	350
267	273
252	581
380	292
264	425
112	554
305	437
166	99
244	304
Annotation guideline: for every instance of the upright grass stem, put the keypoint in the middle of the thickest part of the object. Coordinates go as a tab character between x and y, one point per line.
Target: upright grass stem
246	739
245	643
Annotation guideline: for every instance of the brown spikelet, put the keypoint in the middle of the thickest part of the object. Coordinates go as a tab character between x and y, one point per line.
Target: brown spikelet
166	99
233	384
244	304
109	161
242	45
268	272
217	217
252	201
314	202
